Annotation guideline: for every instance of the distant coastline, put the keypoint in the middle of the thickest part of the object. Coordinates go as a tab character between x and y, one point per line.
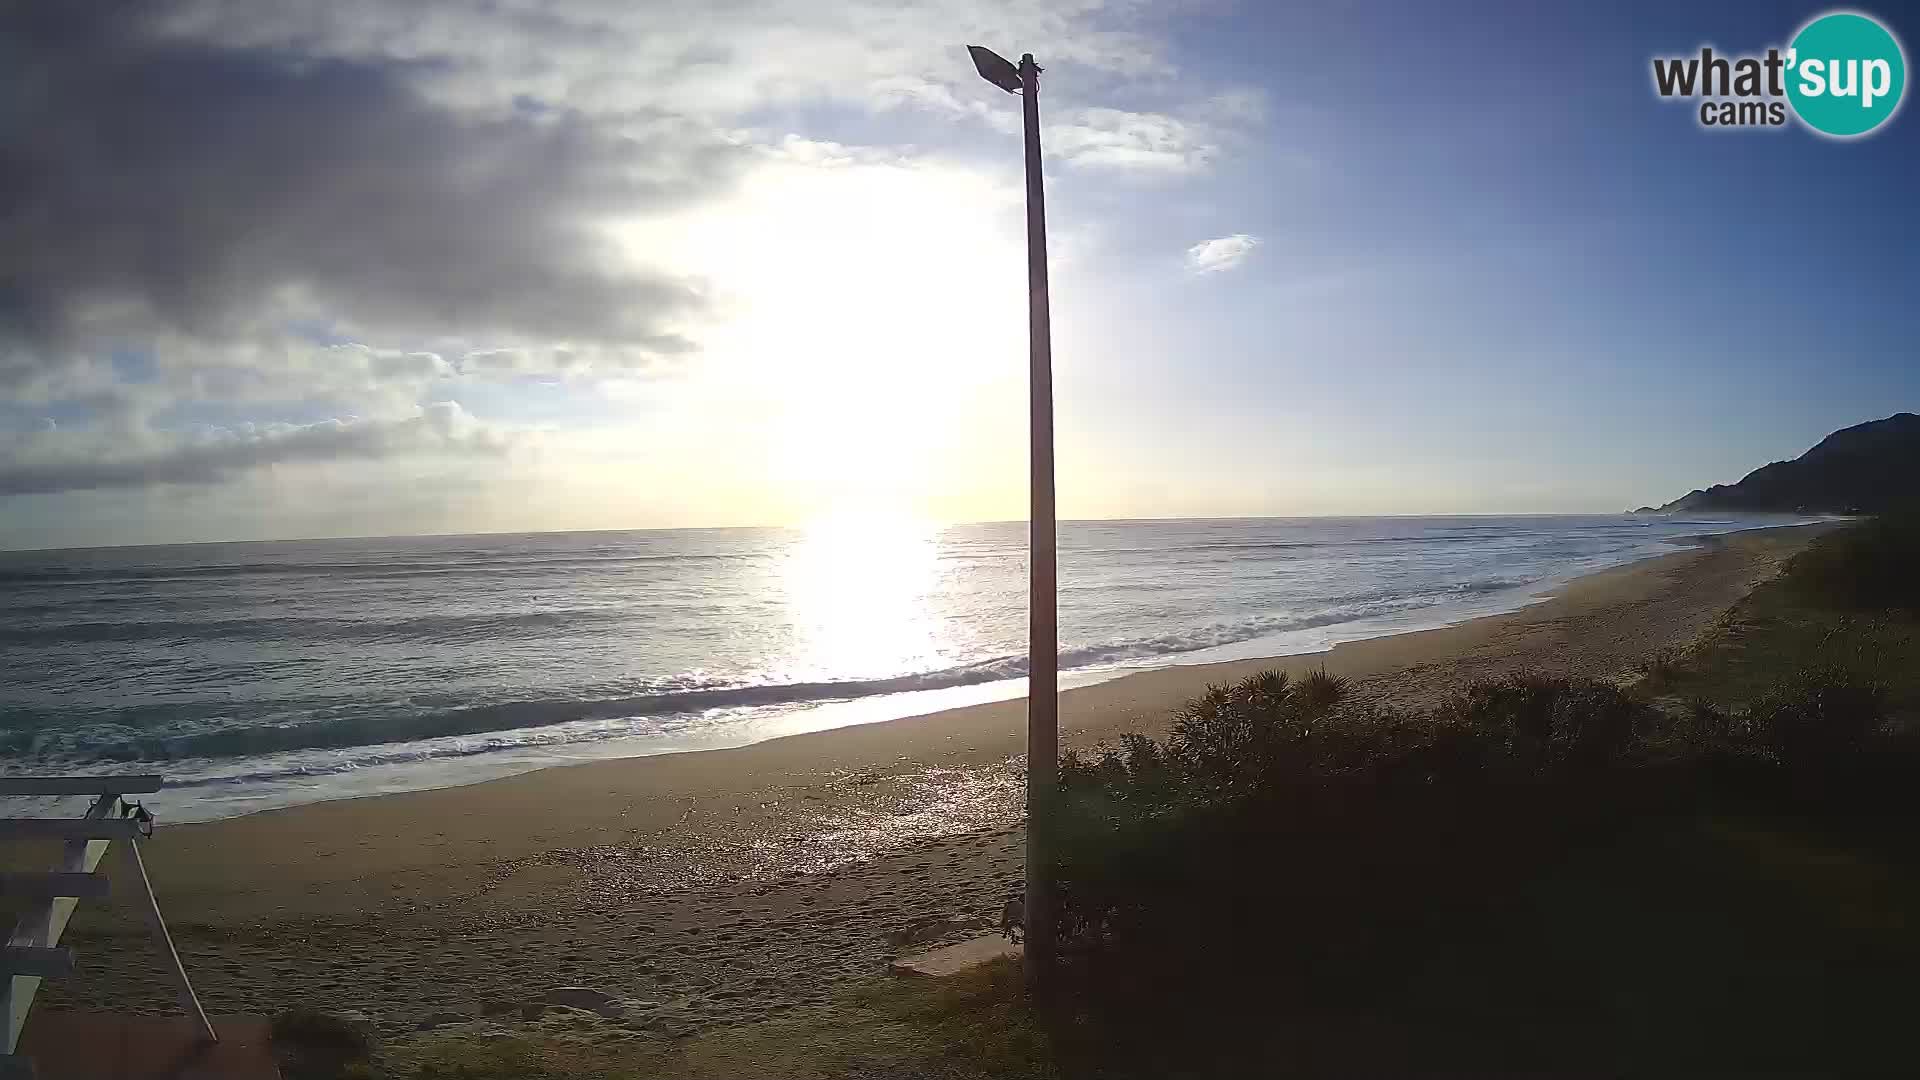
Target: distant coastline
1864	469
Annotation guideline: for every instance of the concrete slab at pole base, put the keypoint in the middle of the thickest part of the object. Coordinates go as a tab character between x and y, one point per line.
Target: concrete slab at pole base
954	959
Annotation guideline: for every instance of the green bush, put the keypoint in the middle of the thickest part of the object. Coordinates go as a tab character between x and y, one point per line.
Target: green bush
1873	564
1552	720
1707	727
1230	741
1818	715
1276	793
1289	768
1125	814
1286	851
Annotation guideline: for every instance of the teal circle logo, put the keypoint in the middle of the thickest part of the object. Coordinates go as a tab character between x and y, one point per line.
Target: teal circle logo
1845	74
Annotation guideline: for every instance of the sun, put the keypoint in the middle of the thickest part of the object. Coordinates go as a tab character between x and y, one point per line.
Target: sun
870	343
858	591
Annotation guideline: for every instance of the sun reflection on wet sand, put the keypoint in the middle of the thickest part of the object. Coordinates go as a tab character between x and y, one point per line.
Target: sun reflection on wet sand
884	814
863	816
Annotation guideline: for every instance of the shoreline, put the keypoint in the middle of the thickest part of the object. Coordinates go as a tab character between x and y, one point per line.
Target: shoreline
1141	692
404	767
741	880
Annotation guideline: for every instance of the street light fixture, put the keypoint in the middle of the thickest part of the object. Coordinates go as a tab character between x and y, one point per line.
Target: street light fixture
1043	656
996	69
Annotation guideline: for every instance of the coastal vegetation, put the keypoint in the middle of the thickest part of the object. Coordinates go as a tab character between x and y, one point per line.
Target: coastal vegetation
1702	869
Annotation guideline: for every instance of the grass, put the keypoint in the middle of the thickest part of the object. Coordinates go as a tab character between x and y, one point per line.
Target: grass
314	1045
1774	631
1849	602
971	1027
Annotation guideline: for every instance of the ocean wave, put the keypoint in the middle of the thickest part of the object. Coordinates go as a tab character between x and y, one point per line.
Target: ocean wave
430	629
458	564
1230	547
393	723
48	575
449	629
1481	586
383	726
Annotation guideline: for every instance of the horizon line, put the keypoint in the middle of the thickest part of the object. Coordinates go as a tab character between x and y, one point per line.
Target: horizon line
802	528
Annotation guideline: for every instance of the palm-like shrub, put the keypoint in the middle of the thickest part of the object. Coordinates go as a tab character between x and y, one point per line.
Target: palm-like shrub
1236	739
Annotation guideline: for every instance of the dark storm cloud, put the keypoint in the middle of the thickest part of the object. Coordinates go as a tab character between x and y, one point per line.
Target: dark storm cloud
442	427
153	183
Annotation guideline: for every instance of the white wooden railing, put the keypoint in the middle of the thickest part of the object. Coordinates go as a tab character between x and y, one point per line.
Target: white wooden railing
33	951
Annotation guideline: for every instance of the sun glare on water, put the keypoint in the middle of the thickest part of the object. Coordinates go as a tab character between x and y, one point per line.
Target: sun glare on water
858	587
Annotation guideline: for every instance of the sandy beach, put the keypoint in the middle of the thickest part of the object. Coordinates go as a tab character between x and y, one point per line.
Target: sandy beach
723	886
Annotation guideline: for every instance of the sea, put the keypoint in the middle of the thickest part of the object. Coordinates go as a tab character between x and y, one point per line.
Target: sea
261	675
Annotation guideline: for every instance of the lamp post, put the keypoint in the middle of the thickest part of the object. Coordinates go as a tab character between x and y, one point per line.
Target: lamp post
1043	657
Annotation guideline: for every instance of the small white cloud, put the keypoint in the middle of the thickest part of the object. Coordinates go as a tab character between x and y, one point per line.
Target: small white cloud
1221	253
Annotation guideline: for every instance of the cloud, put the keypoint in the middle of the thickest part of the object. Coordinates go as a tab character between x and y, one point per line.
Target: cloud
455	176
155	184
225	209
1190	140
1220	253
1118	139
51	461
607	57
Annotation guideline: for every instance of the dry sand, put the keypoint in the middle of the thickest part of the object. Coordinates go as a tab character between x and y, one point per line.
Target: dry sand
723	886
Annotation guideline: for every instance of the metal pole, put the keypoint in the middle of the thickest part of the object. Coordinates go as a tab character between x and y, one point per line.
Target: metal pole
1043	721
157	923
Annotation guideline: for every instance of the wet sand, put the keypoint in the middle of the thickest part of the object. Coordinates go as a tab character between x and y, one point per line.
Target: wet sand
724	886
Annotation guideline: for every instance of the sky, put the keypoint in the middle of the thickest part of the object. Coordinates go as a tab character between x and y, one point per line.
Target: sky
274	269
